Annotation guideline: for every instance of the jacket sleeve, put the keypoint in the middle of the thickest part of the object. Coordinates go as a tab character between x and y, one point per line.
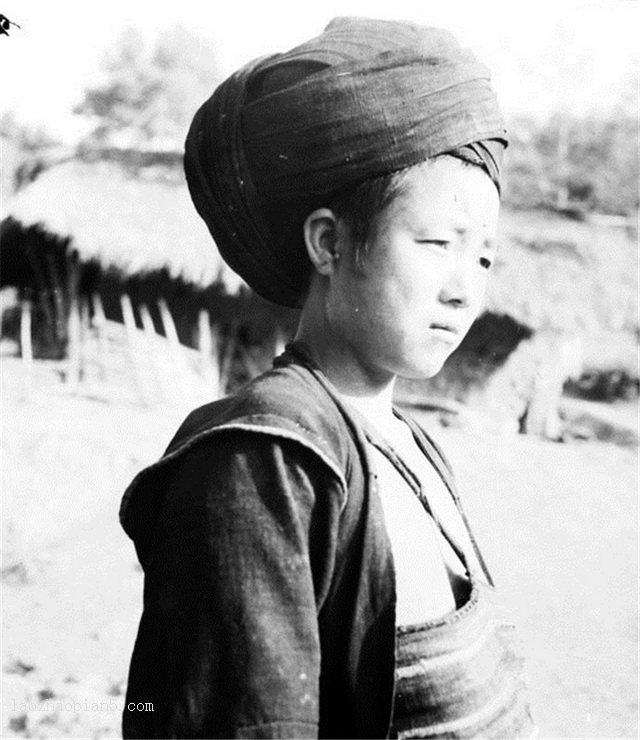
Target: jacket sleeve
238	566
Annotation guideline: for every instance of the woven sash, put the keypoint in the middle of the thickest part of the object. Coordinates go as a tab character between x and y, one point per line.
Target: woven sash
461	676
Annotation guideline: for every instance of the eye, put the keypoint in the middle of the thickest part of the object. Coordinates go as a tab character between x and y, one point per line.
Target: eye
442	243
485	262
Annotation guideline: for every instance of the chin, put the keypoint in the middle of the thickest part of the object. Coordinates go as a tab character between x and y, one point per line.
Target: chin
423	370
423	360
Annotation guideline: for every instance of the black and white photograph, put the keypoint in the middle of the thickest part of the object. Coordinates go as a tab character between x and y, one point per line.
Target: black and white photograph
319	362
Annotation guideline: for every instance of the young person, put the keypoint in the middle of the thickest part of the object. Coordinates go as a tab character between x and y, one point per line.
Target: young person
309	570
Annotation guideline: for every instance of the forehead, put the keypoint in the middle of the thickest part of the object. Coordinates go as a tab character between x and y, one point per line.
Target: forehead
446	192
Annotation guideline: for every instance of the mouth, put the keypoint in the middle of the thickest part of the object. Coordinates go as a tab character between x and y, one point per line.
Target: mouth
446	333
445	328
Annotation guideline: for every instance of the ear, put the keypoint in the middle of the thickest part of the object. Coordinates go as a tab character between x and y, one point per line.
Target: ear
321	239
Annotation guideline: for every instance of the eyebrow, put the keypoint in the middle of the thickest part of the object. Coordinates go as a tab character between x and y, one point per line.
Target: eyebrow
489	243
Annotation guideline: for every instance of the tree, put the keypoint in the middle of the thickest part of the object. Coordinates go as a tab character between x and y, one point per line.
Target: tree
147	98
587	162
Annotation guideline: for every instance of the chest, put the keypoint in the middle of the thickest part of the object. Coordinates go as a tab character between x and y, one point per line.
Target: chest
429	540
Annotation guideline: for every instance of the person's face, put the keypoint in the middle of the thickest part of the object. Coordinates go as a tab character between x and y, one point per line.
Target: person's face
409	301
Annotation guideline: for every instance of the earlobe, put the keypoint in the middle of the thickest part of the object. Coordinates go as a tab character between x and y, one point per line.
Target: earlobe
321	240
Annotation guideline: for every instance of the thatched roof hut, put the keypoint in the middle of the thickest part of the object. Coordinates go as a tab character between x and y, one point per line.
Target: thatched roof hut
553	273
136	221
555	279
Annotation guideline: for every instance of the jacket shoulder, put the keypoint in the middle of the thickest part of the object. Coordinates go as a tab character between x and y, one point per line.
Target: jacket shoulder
287	402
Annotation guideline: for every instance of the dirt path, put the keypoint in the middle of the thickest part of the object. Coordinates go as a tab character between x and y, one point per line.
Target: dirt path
558	524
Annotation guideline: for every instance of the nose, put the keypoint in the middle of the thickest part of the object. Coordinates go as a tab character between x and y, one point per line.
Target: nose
457	286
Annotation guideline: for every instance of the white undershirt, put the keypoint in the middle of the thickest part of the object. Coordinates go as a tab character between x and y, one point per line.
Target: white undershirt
428	572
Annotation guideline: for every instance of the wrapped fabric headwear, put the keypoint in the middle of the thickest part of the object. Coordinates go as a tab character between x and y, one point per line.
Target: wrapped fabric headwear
365	98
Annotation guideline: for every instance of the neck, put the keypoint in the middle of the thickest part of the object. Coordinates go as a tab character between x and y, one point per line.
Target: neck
366	387
377	409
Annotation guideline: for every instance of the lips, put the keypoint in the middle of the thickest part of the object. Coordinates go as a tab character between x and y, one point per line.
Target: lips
445	327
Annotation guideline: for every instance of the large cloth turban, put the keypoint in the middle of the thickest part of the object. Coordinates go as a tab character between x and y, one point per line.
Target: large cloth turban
365	98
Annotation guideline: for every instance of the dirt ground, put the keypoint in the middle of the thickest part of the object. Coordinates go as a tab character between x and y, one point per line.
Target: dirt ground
558	524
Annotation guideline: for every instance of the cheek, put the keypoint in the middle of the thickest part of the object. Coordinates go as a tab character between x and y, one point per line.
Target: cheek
419	288
347	306
481	288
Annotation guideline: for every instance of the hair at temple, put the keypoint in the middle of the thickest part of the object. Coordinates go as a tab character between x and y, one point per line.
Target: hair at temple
357	206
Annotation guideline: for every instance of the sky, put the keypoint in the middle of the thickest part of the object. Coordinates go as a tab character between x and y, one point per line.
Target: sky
574	55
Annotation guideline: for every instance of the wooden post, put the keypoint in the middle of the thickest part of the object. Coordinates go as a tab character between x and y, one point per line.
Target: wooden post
73	373
226	364
178	361
208	346
26	347
559	358
205	338
147	321
99	318
155	353
216	361
62	301
34	250
134	353
68	314
168	324
98	323
85	338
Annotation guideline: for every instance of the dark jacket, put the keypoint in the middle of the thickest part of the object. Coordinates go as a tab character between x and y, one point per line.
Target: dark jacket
269	597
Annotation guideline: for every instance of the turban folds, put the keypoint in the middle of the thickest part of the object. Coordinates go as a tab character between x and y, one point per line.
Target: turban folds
365	98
